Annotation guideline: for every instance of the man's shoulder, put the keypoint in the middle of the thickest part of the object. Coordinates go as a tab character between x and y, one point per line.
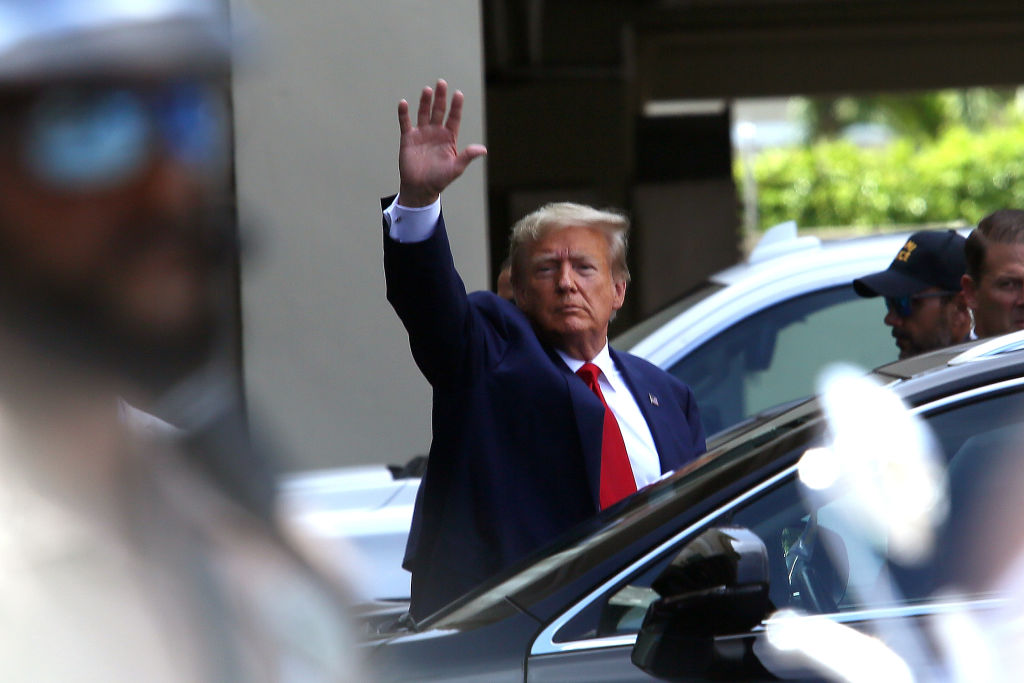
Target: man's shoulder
640	368
498	310
635	363
487	299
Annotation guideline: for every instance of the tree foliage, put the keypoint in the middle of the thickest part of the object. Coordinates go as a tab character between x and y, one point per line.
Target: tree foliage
958	175
919	116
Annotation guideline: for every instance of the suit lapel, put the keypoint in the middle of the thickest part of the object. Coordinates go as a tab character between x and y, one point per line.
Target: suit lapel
589	424
649	402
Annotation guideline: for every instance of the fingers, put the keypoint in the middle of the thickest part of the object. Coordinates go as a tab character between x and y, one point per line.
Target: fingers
404	124
455	115
467	155
440	103
433	106
473	151
423	113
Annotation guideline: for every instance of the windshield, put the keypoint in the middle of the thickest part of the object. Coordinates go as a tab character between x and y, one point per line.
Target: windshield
656	509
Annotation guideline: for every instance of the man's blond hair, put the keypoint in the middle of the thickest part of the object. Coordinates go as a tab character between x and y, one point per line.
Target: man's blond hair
531	228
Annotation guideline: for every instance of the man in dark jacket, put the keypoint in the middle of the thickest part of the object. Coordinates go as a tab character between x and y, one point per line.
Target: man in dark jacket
537	423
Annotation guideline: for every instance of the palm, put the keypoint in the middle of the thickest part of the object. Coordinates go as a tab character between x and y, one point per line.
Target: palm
428	157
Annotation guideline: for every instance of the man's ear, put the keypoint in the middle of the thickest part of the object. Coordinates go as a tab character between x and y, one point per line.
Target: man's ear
970	291
619	294
960	317
519	294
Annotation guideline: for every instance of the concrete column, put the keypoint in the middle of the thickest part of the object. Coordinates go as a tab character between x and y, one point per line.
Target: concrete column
326	362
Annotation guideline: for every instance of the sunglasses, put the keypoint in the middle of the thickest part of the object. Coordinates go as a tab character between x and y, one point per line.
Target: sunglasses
903	306
90	138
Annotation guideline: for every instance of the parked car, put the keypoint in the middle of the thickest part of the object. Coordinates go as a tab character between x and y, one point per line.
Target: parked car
756	335
752	336
573	610
361	515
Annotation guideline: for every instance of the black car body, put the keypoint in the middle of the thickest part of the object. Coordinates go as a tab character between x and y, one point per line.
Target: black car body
572	611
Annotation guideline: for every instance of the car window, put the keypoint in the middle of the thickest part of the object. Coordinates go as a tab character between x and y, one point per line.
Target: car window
774	356
815	563
644	329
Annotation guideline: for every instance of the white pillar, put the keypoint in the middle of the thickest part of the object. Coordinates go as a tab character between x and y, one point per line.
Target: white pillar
327	364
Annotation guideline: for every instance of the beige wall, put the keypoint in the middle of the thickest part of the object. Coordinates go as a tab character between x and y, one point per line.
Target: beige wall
327	364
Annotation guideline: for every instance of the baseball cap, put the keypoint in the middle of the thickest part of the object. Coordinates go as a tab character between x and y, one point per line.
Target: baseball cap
930	258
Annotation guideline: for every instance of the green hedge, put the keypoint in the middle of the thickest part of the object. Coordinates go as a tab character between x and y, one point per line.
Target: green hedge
959	177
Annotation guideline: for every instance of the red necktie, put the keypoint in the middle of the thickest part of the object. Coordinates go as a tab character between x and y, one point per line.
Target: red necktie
616	473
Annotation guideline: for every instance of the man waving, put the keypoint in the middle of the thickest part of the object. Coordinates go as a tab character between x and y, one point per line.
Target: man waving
537	423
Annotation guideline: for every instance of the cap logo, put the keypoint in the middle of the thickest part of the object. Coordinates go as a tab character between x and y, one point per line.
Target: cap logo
905	252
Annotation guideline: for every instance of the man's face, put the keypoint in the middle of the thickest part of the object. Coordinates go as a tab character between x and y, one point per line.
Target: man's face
933	323
998	298
569	291
128	257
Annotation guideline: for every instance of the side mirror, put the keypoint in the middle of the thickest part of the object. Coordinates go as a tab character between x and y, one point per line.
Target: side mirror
717	585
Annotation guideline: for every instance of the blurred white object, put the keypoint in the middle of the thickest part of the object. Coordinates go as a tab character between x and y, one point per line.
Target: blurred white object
797	641
362	509
886	458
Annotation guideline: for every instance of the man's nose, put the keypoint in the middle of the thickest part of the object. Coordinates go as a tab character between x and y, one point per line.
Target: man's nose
566	279
892	318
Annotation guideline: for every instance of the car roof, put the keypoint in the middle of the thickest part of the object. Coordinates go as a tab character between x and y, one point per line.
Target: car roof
781	255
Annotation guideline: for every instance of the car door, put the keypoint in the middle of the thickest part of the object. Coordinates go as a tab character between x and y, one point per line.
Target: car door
862	588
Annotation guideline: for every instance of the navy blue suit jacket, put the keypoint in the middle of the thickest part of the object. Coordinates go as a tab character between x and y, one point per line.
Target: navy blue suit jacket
515	456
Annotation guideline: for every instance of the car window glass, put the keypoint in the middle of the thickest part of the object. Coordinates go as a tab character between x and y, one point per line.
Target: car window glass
981	443
774	356
838	571
644	329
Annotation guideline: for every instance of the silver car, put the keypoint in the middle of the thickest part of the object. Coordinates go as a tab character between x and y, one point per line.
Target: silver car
756	335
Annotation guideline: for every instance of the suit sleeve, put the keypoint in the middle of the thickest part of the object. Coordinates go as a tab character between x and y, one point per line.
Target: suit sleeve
430	298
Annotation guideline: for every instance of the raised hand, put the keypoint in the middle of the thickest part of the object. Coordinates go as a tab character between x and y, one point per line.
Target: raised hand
428	155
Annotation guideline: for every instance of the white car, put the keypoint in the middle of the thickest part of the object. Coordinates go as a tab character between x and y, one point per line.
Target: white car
362	516
751	337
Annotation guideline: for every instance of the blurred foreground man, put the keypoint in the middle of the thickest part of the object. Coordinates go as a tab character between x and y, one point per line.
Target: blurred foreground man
994	282
120	558
924	305
537	423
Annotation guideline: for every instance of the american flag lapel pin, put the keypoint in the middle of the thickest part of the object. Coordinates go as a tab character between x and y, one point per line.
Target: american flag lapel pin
654	399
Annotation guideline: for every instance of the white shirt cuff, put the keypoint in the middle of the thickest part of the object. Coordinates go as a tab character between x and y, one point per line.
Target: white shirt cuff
409	224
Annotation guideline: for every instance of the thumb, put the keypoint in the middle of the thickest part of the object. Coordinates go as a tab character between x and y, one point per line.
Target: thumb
468	155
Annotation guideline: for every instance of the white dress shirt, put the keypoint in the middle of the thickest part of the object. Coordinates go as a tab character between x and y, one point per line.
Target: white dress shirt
408	224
